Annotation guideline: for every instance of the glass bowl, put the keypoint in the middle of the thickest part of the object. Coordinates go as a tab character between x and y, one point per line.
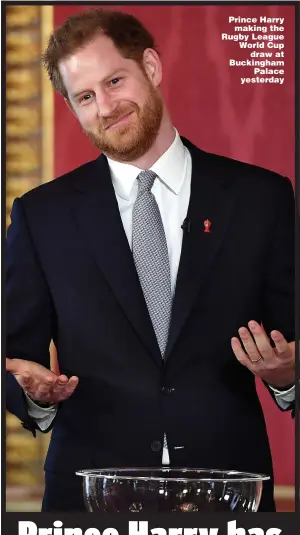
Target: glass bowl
166	490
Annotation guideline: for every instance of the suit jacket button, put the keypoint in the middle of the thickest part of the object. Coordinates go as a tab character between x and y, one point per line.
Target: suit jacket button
156	445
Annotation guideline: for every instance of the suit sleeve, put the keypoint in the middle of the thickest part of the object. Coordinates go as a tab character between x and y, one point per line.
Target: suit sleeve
279	287
29	309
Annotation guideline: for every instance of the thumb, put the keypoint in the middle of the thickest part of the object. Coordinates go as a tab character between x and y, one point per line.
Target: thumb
13	365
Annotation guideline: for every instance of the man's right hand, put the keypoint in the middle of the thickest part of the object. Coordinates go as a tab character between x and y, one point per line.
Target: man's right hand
39	383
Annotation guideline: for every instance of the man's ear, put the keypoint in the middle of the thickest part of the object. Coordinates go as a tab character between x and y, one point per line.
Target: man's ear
152	66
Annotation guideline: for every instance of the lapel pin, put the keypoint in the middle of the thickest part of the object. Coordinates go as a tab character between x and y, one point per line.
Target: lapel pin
207	225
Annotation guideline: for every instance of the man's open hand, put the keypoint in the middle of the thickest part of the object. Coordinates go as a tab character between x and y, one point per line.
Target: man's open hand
275	365
40	383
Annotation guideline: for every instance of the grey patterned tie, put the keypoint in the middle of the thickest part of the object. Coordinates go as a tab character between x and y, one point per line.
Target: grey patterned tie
150	254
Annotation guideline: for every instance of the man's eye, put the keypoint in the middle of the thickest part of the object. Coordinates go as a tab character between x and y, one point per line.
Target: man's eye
83	99
114	81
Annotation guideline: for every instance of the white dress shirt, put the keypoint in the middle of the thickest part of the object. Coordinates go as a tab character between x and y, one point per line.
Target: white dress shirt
172	194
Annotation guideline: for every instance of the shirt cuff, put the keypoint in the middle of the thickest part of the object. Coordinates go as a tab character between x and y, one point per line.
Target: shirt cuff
43	416
284	397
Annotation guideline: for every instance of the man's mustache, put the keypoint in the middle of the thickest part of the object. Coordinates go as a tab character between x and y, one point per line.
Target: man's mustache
107	121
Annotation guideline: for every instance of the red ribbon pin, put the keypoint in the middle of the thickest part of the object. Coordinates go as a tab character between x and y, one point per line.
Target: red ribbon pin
207	225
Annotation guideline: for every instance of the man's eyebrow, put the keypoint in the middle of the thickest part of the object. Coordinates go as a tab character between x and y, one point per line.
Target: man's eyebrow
110	76
78	93
113	73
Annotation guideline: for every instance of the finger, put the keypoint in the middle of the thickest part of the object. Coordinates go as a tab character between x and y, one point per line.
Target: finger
262	341
13	365
62	379
71	385
281	345
45	386
249	345
73	381
60	385
240	354
67	390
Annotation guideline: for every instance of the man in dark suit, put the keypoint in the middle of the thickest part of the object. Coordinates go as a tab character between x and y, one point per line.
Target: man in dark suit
163	274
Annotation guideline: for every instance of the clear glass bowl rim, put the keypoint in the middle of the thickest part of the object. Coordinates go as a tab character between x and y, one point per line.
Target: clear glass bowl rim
225	475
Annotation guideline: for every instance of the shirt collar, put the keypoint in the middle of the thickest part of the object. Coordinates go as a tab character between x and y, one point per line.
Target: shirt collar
170	168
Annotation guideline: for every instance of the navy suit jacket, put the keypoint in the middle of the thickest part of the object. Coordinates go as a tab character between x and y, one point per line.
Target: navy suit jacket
71	278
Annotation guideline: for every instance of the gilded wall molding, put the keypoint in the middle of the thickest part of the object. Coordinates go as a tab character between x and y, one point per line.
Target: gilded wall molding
29	101
29	162
23	123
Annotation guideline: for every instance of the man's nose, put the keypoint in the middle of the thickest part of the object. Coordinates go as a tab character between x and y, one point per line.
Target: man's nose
105	104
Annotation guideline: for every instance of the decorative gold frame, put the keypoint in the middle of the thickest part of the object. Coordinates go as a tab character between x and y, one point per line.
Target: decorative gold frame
29	101
29	162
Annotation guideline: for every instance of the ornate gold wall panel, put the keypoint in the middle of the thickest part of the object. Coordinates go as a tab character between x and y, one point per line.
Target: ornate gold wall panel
29	130
23	101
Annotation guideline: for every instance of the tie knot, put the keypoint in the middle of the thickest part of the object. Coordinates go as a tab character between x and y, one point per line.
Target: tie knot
146	180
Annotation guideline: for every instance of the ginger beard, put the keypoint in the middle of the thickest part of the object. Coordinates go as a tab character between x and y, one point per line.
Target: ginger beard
133	138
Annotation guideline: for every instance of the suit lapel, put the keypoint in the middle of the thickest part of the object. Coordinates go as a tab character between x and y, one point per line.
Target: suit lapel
97	217
212	198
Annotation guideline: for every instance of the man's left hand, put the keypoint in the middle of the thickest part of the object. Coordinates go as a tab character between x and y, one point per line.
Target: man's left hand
274	365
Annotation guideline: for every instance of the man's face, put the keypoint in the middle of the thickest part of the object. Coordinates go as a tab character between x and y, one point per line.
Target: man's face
116	101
